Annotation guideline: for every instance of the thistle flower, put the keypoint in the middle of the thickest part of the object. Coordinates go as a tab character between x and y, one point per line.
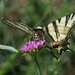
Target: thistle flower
32	46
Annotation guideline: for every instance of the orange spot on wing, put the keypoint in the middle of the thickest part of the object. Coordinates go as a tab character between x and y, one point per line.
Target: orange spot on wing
57	44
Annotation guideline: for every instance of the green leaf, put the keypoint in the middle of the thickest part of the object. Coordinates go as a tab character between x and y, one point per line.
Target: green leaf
12	49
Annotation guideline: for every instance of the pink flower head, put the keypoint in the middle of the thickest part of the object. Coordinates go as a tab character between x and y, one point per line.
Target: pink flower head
31	45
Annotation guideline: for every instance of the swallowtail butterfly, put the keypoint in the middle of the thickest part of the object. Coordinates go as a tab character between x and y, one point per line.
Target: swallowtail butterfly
55	34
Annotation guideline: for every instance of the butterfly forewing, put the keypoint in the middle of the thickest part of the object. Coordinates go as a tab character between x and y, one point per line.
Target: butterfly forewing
20	26
60	28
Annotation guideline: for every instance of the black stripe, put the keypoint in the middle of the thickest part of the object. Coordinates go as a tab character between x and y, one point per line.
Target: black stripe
56	28
67	18
59	20
72	16
69	32
21	27
73	24
49	33
25	26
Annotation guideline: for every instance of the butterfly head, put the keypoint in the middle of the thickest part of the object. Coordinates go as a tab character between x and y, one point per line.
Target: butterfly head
38	35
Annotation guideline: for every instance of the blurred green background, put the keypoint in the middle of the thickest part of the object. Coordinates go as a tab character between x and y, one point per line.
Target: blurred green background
32	12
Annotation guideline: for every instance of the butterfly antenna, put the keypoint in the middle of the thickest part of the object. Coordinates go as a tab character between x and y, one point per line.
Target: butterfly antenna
40	23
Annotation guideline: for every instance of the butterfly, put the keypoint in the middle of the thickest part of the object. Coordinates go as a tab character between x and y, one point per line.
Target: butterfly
55	34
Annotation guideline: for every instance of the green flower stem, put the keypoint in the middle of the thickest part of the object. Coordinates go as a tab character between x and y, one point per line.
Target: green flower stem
37	64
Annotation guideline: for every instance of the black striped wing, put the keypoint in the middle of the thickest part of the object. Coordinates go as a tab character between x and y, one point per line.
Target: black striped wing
60	28
20	26
53	33
58	32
